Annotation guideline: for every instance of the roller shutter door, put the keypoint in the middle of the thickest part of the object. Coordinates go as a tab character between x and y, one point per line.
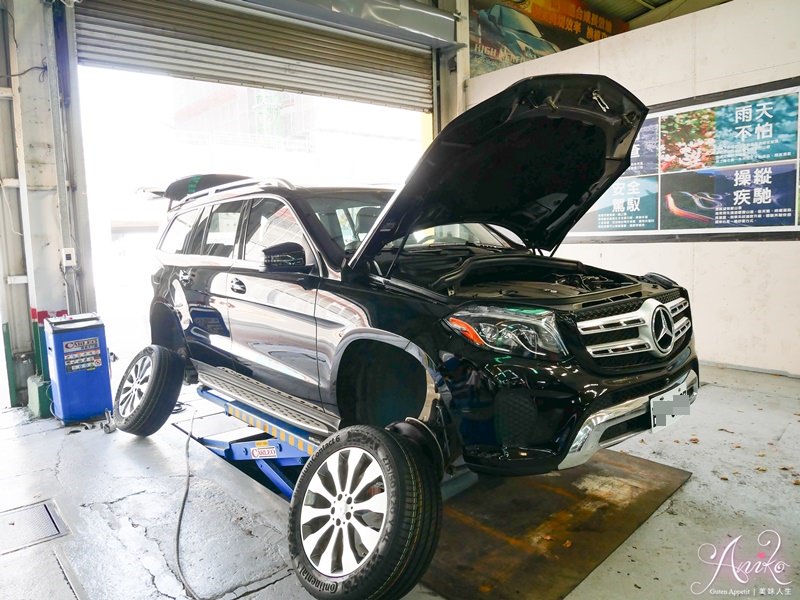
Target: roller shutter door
200	41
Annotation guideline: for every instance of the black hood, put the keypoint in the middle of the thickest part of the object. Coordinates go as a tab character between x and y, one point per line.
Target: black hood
533	159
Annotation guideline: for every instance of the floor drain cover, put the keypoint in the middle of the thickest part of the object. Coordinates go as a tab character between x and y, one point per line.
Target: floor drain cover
28	525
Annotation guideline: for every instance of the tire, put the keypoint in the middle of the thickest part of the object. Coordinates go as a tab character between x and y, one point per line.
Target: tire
431	522
148	391
377	551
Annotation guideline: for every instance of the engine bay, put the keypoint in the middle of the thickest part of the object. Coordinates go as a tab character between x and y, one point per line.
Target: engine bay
537	284
479	274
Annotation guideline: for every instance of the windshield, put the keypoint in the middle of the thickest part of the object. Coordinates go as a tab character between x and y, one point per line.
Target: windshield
349	216
455	234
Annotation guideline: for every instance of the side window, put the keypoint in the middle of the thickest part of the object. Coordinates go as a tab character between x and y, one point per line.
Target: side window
195	243
178	230
271	222
223	222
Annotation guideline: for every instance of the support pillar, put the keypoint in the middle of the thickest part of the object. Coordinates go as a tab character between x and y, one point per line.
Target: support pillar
47	206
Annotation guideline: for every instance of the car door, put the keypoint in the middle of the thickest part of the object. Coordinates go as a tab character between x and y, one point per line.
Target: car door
201	279
271	308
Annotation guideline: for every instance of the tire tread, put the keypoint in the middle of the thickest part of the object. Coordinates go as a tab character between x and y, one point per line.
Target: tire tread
162	394
389	569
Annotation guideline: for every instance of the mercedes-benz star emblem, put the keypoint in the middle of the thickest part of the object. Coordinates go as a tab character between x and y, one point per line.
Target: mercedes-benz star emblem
663	329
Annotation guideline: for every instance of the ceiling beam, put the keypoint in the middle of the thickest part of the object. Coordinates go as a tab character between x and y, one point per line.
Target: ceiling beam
647	5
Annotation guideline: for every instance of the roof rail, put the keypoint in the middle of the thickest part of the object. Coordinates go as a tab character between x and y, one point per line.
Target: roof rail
276	182
191	188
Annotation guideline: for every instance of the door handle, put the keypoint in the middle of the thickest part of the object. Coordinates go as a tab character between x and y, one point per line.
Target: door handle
237	286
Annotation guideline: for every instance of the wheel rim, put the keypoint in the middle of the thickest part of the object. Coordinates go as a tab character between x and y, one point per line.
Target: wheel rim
344	512
134	386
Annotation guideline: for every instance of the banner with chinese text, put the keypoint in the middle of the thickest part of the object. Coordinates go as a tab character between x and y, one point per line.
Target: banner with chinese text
726	166
506	32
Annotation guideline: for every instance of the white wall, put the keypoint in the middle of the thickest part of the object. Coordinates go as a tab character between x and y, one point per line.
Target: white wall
746	295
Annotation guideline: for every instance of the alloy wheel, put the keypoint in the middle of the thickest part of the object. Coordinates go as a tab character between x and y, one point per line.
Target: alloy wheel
344	512
135	385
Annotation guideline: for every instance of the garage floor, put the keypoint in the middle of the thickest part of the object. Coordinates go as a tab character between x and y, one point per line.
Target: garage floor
118	496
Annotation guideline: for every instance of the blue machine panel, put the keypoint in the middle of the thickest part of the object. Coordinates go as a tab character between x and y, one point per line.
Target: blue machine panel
78	361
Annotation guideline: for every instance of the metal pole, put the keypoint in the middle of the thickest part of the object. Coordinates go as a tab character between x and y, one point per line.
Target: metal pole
59	147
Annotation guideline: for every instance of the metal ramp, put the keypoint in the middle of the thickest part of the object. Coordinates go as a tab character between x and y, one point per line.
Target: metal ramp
273	445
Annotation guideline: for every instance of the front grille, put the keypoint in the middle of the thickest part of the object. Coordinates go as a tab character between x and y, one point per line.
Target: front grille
637	360
618	335
616	433
643	389
610	336
618	308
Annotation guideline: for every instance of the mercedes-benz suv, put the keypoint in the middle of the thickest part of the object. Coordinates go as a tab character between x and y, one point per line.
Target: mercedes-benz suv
438	309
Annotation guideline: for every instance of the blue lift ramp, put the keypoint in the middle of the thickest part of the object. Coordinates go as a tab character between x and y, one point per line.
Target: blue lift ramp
274	446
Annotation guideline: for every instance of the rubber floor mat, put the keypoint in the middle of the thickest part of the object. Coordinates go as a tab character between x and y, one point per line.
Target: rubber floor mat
540	536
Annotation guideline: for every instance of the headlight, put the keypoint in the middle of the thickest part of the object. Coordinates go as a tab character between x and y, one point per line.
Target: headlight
529	332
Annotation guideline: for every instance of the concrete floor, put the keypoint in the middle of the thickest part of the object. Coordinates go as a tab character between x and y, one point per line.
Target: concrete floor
119	496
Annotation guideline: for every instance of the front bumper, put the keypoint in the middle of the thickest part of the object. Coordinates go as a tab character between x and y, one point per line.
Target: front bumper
588	439
534	417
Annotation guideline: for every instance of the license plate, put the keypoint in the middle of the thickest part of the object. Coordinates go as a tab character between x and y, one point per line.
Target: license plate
667	407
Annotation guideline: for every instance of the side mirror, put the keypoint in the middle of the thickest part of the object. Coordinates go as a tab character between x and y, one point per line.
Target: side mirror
288	256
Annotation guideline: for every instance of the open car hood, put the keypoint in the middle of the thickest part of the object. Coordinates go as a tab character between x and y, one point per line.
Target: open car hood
533	159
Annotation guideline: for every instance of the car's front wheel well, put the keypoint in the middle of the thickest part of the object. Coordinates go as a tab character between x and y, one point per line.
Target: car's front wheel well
378	384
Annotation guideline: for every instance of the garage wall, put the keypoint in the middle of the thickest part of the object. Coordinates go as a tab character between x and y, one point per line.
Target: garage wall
746	295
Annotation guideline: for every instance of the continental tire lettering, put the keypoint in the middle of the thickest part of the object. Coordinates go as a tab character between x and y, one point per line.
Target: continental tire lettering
320	585
331	440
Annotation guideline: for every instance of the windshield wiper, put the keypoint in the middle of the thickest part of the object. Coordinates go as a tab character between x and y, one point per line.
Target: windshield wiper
483	245
464	244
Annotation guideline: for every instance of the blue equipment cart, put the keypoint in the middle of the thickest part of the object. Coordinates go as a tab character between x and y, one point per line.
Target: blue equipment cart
78	361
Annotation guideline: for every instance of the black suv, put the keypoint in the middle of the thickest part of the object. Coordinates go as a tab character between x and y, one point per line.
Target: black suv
438	310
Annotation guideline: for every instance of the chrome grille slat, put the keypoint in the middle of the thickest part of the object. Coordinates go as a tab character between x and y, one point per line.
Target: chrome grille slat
681	327
609	323
616	348
677	306
629	320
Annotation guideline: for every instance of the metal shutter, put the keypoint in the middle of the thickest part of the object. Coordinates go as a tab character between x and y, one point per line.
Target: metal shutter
199	41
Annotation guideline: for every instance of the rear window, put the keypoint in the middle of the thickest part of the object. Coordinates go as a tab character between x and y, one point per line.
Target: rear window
210	231
175	237
194	245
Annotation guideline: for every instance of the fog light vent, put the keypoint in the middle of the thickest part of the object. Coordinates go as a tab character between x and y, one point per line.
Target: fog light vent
515	418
